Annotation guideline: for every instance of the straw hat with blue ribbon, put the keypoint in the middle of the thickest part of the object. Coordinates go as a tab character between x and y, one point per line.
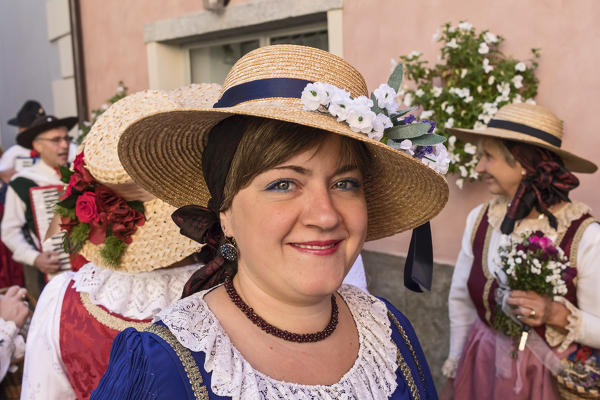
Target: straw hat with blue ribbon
163	152
528	123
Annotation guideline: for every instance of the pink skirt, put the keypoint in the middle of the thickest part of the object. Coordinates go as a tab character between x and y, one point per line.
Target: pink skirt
487	371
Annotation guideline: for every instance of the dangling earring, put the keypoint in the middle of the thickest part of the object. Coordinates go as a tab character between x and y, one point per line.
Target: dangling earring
229	249
523	172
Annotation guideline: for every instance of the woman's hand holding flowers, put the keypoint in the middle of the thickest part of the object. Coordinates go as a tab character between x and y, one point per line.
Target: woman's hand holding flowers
535	310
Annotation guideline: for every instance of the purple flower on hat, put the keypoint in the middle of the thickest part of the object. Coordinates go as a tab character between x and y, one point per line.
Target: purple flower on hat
422	151
432	123
409	119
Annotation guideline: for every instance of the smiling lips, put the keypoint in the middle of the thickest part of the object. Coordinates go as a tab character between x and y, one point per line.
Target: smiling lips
320	248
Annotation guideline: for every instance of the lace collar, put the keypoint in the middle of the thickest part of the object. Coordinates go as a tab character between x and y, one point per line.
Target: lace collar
373	374
565	214
139	296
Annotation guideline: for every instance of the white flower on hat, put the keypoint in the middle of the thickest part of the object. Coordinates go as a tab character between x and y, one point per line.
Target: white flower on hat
407	146
490	38
360	117
470	148
426	114
483	48
452	44
363	101
380	123
486	66
517	81
521	67
449	123
408	99
465	26
340	102
437	91
438	160
313	96
386	98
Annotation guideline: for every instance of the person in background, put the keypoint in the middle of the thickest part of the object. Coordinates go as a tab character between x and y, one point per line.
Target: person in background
14	311
48	136
529	177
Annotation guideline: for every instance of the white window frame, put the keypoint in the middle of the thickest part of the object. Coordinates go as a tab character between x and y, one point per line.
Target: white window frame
264	39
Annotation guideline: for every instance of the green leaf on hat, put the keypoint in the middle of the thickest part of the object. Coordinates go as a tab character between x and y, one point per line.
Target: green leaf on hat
375	107
402	132
395	79
429	139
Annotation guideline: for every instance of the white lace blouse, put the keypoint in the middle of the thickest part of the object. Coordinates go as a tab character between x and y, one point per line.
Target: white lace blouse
373	374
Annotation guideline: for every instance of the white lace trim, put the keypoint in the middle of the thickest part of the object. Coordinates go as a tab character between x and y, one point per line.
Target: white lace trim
573	324
372	375
133	295
449	368
564	213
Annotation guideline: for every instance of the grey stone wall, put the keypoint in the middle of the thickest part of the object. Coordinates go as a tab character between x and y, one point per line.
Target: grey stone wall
428	311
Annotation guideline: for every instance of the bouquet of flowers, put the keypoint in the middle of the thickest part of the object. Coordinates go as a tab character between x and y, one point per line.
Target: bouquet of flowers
92	211
381	119
530	264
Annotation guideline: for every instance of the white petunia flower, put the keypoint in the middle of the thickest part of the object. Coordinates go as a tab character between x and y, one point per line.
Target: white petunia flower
460	182
483	48
436	36
437	91
452	29
360	117
473	174
468	99
479	125
313	96
426	114
463	73
380	123
479	89
487	68
340	104
463	171
465	26
104	107
490	38
504	88
420	92
449	123
414	54
517	81
530	101
386	98
451	140
452	44
120	90
518	99
521	67
408	99
449	110
491	80
470	148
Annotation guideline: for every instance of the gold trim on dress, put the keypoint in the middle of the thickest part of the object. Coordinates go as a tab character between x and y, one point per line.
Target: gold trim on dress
402	363
488	276
186	358
577	239
107	319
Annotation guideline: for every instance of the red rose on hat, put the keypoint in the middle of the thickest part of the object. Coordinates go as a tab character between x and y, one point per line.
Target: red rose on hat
86	208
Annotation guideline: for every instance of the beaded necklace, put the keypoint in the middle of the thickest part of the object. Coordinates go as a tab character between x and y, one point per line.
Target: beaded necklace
281	333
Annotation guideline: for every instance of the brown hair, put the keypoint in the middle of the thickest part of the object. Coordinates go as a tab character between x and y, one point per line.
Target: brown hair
500	145
267	143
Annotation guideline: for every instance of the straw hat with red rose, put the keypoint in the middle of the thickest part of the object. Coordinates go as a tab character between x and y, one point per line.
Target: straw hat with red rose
110	220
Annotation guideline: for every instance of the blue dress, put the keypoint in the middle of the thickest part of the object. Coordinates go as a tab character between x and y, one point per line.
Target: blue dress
154	364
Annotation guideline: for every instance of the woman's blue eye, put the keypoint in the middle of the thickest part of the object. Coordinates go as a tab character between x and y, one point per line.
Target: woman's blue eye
282	185
347	184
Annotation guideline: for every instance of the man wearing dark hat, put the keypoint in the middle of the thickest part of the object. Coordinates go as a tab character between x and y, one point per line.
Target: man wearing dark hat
23	120
48	136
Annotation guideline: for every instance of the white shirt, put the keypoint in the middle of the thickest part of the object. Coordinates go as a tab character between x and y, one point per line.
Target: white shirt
584	322
14	213
138	296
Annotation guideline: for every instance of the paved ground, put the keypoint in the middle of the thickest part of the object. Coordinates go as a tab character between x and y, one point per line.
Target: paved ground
428	312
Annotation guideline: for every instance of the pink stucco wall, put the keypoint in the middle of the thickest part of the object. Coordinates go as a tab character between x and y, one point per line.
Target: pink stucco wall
566	31
376	31
113	41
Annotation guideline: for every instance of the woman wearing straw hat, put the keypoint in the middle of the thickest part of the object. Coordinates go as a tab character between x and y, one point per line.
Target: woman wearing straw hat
289	195
530	177
80	313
